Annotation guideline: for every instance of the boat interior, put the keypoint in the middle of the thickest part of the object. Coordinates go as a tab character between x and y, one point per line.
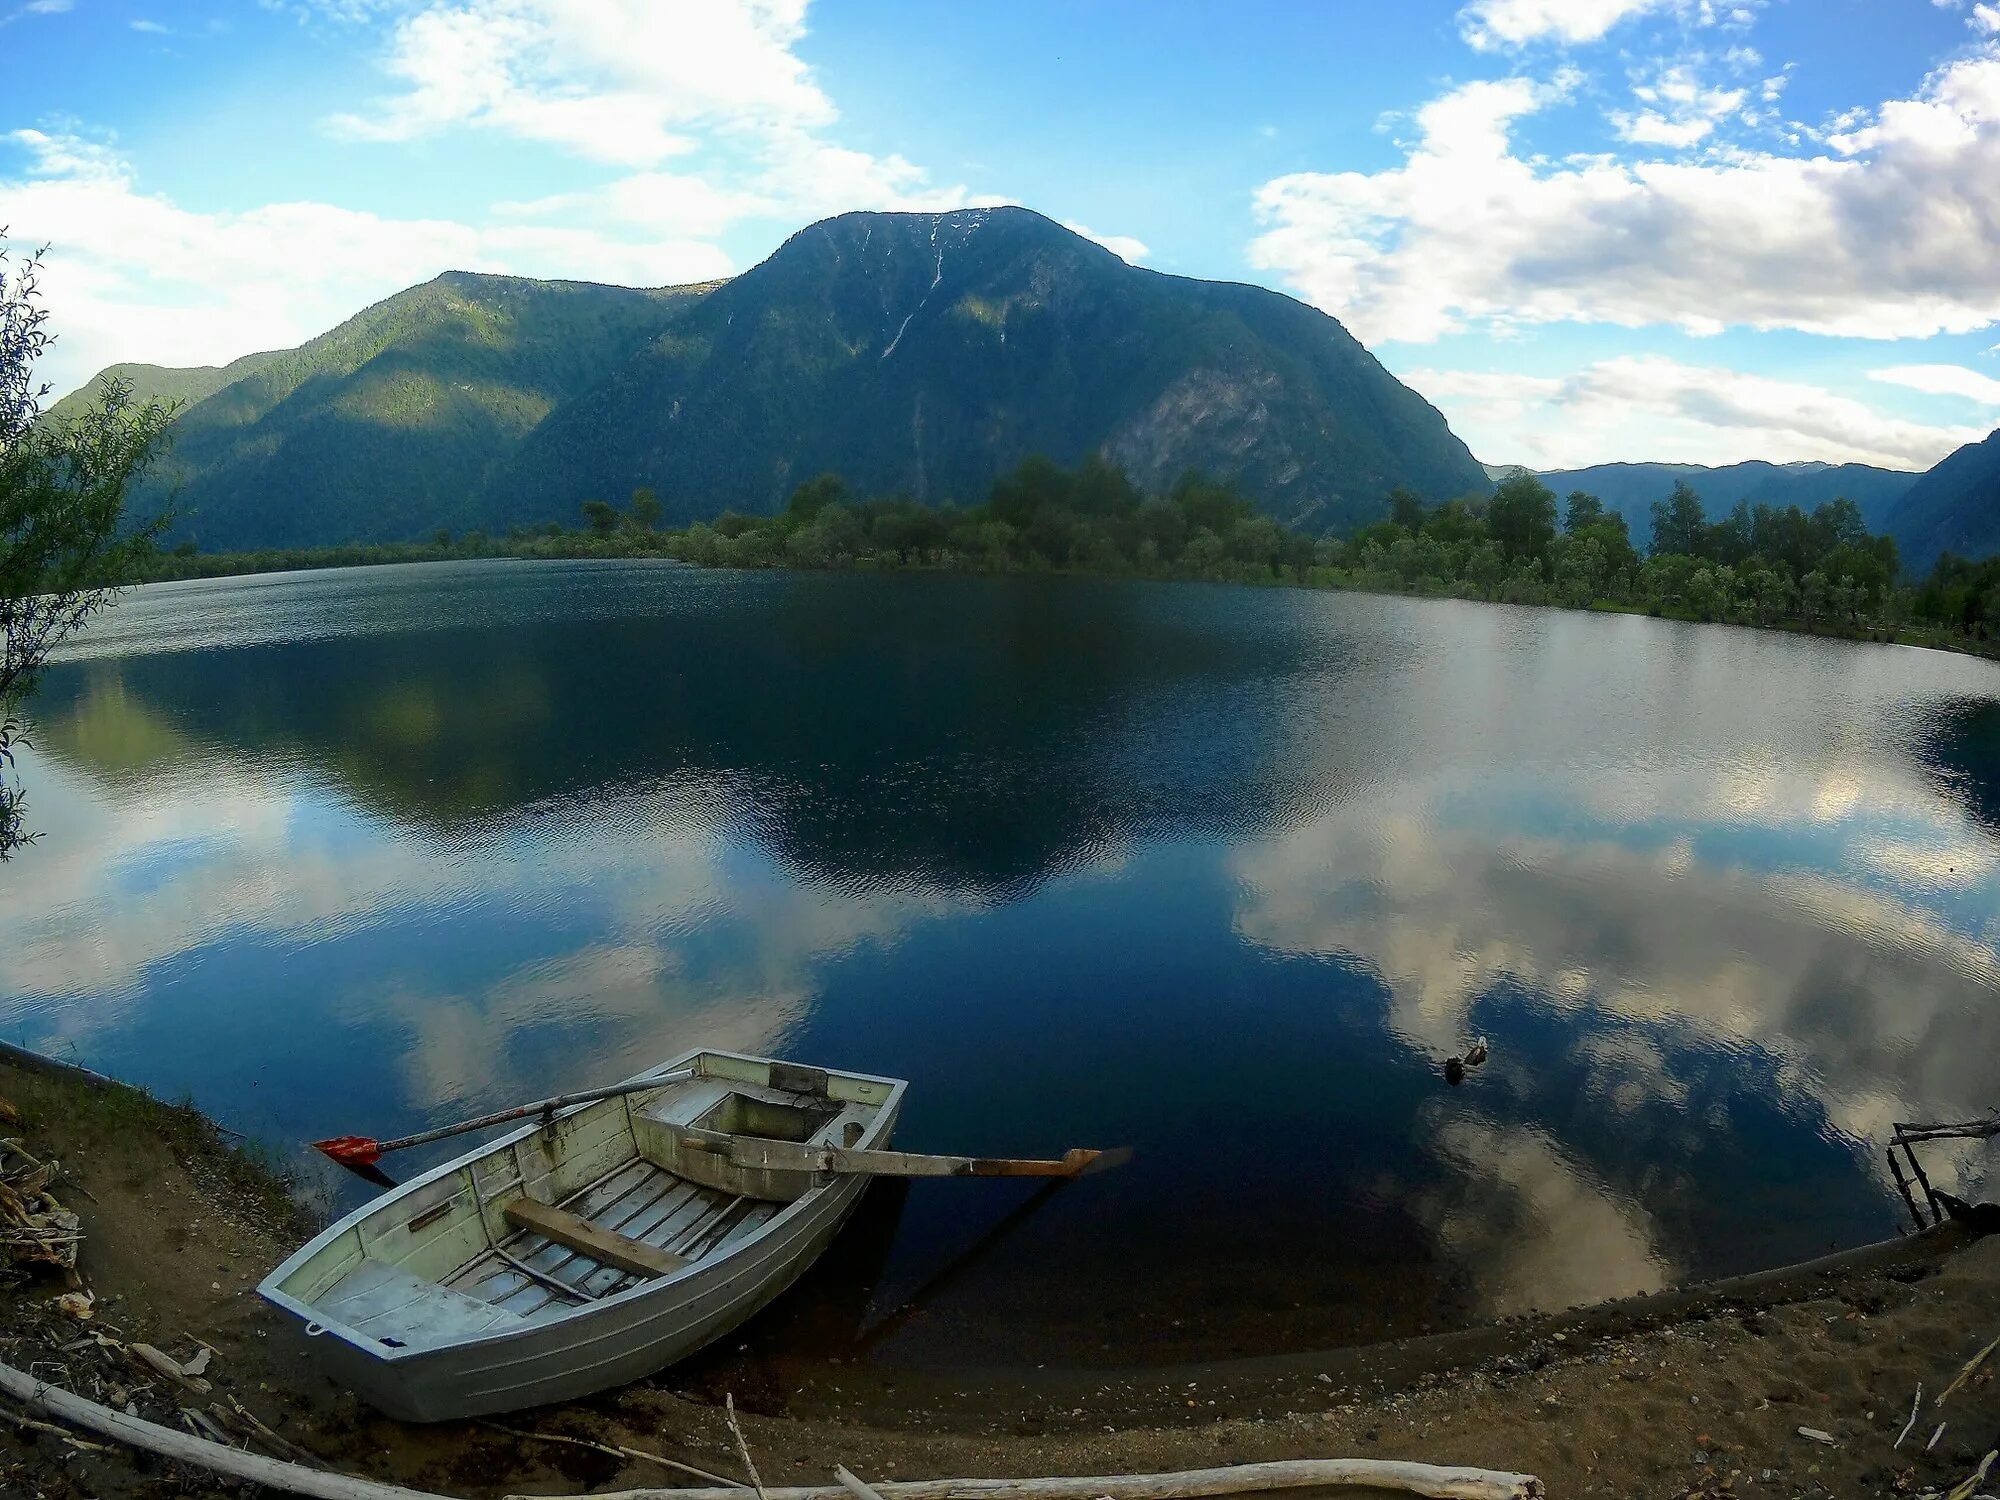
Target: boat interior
561	1215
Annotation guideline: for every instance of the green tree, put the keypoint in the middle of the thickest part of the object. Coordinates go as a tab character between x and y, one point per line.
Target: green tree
1679	523
601	517
1522	518
1768	591
65	540
1815	594
645	509
442	536
1585	510
1407	508
810	498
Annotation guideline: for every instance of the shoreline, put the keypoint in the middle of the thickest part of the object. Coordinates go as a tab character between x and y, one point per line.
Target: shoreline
1633	1395
418	553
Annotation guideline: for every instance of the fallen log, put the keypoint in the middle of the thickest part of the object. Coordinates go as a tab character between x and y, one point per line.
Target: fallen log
217	1458
1432	1480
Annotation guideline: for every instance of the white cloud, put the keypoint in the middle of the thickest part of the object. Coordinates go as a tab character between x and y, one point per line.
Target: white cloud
133	276
636	84
1662	410
1488	24
620	81
1942	380
713	87
1885	234
1121	245
1679	110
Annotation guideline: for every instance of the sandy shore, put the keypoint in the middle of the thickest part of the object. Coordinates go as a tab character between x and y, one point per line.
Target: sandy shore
1692	1394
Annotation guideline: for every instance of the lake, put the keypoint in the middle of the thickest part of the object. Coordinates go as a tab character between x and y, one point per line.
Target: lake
1220	874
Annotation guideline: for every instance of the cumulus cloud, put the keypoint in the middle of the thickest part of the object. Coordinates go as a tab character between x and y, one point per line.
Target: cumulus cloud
1942	380
636	84
134	276
703	106
616	80
1120	245
1649	407
1884	232
1679	111
1488	24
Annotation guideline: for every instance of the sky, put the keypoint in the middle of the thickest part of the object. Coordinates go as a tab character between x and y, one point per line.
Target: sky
1588	230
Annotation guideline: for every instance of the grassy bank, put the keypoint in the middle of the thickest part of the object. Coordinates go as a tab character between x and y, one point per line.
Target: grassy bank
1684	1395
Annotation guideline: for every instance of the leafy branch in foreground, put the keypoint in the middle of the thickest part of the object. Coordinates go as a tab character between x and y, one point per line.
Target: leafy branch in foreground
64	544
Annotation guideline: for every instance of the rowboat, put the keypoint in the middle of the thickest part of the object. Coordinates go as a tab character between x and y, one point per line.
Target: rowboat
593	1246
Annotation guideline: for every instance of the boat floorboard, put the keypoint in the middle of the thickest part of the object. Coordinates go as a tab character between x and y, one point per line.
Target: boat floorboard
641	1201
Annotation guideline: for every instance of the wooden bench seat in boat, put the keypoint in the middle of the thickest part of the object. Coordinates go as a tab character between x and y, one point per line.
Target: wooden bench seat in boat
605	1246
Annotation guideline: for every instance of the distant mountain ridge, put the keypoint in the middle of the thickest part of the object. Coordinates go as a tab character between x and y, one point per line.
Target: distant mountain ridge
1631	488
1953	508
918	352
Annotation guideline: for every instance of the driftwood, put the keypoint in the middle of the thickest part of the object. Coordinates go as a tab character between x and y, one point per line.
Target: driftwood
1967	1487
1431	1480
1916	1406
1967	1370
860	1489
1964	1130
217	1458
743	1445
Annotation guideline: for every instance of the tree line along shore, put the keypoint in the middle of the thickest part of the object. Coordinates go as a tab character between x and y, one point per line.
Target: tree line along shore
1820	572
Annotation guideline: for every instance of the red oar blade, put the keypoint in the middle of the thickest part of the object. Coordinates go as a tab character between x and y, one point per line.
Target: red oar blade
351	1150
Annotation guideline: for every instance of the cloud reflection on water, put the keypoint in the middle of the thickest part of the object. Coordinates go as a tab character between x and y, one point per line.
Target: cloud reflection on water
1726	903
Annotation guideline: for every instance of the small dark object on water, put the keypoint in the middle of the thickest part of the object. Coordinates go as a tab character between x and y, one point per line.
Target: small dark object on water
1454	1067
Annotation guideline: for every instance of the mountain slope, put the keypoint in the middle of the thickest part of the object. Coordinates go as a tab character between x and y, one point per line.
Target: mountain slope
160	383
1953	508
1631	488
385	427
928	352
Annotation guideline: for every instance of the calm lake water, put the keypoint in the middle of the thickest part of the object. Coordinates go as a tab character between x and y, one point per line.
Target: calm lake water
1220	874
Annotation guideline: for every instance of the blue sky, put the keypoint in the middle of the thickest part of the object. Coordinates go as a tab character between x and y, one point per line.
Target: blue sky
1701	230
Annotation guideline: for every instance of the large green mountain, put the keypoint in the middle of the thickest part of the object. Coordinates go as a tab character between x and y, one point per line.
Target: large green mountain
389	425
928	352
919	352
1953	508
1631	489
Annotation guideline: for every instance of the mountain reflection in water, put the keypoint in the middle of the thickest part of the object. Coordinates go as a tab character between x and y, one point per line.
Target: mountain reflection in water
1222	874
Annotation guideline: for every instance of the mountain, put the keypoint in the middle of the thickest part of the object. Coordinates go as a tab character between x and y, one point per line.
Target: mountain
160	383
1631	489
929	352
918	352
387	426
1953	508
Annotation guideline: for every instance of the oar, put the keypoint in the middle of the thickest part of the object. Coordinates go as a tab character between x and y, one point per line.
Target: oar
756	1153
359	1151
